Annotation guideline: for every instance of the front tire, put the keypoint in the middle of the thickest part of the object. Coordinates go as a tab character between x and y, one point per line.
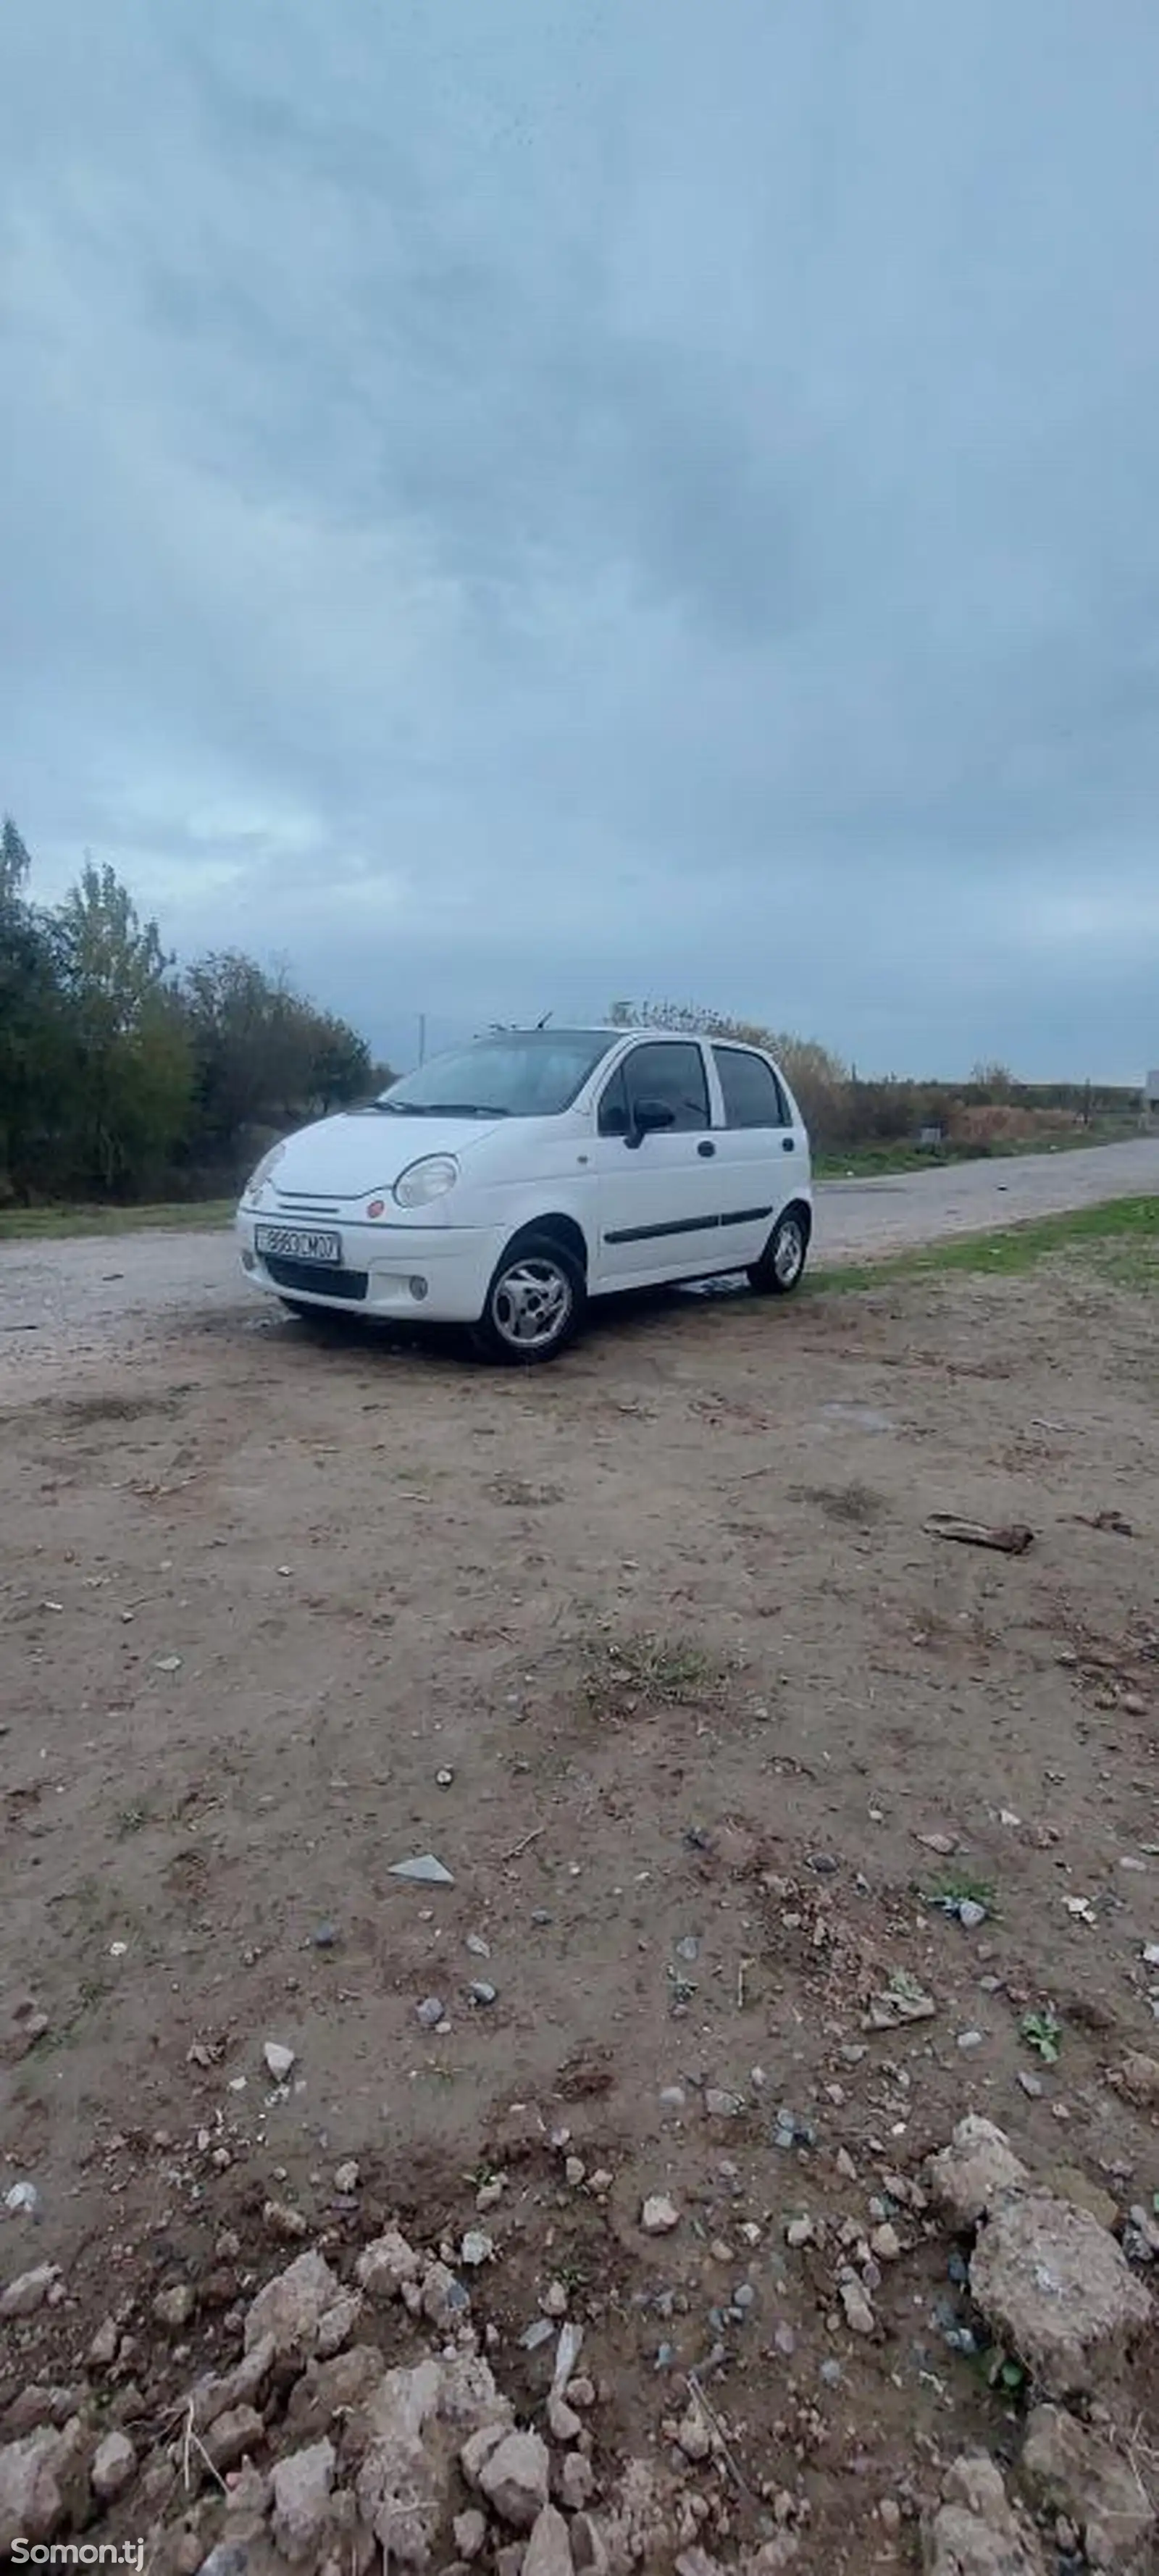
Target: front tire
781	1267
535	1304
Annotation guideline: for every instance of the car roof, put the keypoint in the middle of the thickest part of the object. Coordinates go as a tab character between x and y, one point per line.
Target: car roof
615	1029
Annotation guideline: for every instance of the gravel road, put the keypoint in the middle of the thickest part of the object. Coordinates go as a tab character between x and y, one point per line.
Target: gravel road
60	1299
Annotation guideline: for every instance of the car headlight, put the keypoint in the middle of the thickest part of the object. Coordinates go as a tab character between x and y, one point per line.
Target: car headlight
258	1178
427	1180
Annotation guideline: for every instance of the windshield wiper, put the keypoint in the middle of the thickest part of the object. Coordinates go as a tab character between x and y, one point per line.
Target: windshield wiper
463	1109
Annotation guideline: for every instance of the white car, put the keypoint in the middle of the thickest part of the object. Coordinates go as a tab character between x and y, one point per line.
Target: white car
504	1185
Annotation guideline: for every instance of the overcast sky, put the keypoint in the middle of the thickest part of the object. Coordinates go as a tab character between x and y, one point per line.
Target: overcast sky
509	503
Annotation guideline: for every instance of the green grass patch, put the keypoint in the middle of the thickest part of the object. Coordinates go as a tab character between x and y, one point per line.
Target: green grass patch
54	1224
1118	1242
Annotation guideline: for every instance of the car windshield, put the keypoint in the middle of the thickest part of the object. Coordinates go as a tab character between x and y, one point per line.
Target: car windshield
522	1073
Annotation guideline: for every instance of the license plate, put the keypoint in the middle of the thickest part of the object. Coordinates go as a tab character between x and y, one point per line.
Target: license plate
296	1245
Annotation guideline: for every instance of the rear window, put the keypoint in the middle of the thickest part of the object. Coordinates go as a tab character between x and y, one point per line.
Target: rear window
752	1094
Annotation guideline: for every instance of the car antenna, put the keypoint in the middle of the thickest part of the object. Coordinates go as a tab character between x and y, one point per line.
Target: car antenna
542	1024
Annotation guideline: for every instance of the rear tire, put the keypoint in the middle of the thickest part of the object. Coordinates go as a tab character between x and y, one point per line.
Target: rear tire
781	1267
535	1304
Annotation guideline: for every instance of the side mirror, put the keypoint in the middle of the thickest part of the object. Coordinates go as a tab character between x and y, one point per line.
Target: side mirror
649	1118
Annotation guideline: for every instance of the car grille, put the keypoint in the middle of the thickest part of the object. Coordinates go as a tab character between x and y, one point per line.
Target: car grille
295	1205
317	1278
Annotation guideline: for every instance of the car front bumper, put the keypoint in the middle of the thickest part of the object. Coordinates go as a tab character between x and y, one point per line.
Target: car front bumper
436	1274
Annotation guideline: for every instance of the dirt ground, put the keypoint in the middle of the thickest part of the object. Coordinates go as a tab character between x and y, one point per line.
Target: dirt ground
655	1652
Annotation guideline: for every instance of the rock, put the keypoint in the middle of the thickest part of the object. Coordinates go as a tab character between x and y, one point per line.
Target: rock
659	2215
401	2496
29	2291
549	2548
301	2490
563	2423
476	2248
975	2532
384	2267
1072	2471
974	2170
971	1915
346	2178
859	2315
291	2308
889	2516
426	1871
694	2435
576	2483
22	2025
31	2501
885	2243
38	2406
22	2200
280	2061
240	2431
799	2233
114	2467
1057	2289
468	2397
483	1994
338	2324
174	2308
431	2013
281	2220
1138	2078
720	2105
445	2301
105	2345
214	2397
514	2479
330	2388
480	2447
470	2533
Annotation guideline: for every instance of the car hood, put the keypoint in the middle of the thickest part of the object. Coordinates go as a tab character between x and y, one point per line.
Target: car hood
351	1156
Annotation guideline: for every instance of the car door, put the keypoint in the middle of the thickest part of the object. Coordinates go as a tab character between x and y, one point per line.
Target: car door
758	1149
657	1194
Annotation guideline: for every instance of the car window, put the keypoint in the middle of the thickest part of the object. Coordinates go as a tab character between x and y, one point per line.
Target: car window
752	1094
672	1072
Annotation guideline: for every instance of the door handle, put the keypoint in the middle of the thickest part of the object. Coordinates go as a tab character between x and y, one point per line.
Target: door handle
706	1148
788	1144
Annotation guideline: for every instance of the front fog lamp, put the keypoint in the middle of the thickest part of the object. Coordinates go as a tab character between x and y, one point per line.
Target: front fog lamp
430	1179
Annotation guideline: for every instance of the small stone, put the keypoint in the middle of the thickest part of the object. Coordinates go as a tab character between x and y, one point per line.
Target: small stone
549	2548
885	2243
969	2039
290	2309
799	2233
672	2097
563	2423
720	2105
301	2489
971	2174
555	2300
975	2531
1138	2078
325	1937
235	2436
431	2012
514	2479
859	2315
478	1947
114	2467
32	2505
386	2266
280	2219
1058	2290
470	2533
105	2345
574	2171
477	2247
659	2215
173	2308
694	2435
28	2292
346	2178
576	2483
1073	2471
1032	2085
482	1994
280	2061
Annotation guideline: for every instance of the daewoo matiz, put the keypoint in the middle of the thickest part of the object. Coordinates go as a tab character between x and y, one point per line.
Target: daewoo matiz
505	1185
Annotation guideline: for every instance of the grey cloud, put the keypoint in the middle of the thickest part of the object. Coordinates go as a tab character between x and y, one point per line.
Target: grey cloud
552	504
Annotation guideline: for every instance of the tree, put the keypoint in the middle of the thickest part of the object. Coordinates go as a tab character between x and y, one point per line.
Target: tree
265	1056
132	1062
31	1024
